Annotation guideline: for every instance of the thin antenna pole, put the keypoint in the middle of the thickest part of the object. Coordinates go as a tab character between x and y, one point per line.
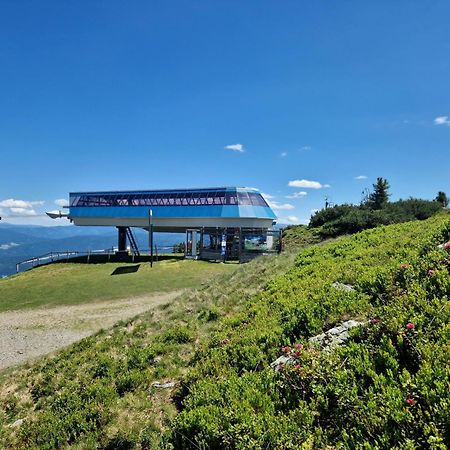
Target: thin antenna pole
150	235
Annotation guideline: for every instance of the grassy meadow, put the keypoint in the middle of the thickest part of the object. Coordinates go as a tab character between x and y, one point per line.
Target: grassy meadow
71	284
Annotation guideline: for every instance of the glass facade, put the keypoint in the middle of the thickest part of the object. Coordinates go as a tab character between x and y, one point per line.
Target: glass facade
185	198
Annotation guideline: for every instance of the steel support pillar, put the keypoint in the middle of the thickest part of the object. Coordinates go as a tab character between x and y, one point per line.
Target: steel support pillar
122	239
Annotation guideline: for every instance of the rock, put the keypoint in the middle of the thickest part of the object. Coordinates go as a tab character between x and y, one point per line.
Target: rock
328	341
17	423
281	361
168	385
335	336
343	287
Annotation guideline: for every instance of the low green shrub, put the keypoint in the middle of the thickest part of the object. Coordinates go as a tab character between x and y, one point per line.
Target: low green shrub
387	388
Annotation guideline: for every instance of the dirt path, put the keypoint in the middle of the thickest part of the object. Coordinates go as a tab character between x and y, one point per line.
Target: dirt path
31	333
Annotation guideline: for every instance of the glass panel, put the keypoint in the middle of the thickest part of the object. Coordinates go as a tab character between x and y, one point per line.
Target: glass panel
257	199
230	198
243	198
169	199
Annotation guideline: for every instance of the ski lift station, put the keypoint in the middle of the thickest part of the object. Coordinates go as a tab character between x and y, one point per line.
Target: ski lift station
226	223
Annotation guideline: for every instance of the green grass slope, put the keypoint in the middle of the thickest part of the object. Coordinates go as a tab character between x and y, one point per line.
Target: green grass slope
388	387
98	393
70	284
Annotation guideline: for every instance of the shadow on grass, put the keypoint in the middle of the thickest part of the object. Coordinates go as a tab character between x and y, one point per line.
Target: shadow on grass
126	269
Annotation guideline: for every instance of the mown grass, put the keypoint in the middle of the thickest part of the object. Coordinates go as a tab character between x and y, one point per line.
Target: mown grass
98	394
70	284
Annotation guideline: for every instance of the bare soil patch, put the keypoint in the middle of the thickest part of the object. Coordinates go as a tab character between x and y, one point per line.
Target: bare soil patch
28	334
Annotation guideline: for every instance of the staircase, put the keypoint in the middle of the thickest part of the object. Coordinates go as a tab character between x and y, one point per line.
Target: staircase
132	241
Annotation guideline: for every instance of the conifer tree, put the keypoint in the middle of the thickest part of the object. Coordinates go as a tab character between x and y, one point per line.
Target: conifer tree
380	195
442	198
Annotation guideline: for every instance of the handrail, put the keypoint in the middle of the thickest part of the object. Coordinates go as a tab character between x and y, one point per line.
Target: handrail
51	257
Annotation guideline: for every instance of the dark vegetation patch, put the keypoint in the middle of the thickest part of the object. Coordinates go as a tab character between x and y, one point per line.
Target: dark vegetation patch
373	211
126	269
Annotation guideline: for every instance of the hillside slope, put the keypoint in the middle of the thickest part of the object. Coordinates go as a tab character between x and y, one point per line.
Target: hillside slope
117	367
388	387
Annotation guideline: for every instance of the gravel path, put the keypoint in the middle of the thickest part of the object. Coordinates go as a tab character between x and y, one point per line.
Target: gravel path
31	333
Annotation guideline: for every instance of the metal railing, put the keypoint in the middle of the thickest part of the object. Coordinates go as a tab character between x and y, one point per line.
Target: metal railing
51	257
68	255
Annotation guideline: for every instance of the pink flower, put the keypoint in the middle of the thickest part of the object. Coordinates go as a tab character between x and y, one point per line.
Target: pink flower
295	354
286	349
410	326
375	321
298	346
224	342
447	246
405	266
410	401
298	366
431	272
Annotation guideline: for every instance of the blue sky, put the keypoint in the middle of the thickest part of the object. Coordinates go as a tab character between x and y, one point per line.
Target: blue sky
98	95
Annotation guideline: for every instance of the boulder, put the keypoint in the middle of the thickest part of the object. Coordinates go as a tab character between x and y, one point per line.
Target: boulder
343	287
335	336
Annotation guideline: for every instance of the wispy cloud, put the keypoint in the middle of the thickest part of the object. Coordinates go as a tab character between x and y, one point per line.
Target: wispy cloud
19	208
283	154
299	194
292	220
23	212
61	202
8	246
280	206
307	184
12	203
267	196
239	148
442	120
361	177
277	206
304	148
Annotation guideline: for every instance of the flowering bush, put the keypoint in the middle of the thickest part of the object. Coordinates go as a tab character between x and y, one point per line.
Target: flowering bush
387	387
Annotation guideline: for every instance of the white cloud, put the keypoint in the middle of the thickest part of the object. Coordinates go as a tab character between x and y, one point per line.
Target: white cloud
267	196
307	184
12	203
23	212
19	208
280	206
8	246
299	194
292	220
305	148
361	177
61	202
283	154
235	148
442	120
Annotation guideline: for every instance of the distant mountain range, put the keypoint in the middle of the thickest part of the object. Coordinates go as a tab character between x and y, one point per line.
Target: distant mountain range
20	242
